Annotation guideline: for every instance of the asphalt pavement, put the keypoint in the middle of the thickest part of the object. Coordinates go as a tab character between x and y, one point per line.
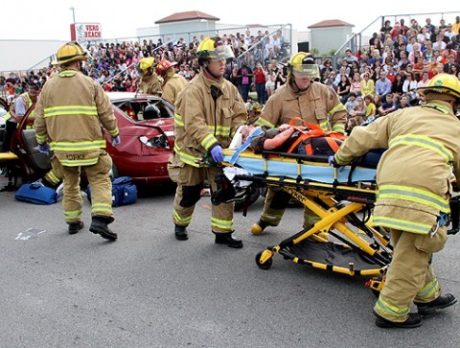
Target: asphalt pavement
149	290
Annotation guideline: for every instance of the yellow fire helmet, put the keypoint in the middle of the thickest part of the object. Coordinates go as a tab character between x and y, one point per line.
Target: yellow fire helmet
211	48
303	64
70	52
442	84
146	63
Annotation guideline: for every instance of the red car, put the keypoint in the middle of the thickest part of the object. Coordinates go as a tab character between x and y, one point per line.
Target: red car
146	126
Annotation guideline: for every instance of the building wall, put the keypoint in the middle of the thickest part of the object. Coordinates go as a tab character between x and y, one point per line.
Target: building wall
327	39
21	55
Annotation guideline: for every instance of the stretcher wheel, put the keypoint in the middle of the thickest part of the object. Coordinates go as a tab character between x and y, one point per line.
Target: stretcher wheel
264	259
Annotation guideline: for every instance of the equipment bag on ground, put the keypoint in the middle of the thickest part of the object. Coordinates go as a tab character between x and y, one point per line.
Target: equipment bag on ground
36	193
124	191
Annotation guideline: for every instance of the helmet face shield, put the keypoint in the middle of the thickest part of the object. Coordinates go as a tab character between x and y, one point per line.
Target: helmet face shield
306	70
218	54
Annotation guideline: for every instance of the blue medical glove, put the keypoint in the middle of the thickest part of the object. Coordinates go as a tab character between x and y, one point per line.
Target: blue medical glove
217	154
44	149
331	160
116	141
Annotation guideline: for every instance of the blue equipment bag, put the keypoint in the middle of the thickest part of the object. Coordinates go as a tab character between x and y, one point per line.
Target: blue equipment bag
36	193
124	191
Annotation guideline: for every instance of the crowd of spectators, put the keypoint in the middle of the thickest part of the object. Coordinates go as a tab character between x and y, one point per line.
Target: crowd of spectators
114	65
384	76
371	82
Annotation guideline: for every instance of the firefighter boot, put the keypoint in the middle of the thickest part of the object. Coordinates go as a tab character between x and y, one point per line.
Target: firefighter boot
441	302
259	227
412	321
180	232
228	240
99	226
75	227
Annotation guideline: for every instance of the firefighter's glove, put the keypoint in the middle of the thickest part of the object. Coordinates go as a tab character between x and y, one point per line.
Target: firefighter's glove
116	141
217	153
332	161
44	149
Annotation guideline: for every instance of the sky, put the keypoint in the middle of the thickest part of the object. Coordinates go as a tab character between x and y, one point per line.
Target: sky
46	19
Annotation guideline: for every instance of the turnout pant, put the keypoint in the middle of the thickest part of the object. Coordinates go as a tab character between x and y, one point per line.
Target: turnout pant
101	189
275	204
410	276
190	182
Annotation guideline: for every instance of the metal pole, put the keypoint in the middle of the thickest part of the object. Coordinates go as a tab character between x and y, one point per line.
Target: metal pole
73	14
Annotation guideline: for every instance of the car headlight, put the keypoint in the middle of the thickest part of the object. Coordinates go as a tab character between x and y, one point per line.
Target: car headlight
158	141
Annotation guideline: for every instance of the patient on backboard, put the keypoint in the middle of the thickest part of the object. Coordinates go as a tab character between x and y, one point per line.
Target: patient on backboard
289	139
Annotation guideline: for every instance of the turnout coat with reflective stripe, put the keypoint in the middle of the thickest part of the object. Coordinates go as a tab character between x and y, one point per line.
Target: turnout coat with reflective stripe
200	123
172	86
319	104
413	174
69	114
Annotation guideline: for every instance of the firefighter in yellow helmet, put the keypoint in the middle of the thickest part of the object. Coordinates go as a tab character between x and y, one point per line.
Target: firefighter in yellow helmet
70	113
302	96
413	198
173	83
208	112
150	82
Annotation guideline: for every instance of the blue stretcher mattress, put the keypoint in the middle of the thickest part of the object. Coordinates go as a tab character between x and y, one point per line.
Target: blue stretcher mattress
287	167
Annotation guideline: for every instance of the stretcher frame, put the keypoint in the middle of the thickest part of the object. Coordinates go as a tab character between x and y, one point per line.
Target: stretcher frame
337	206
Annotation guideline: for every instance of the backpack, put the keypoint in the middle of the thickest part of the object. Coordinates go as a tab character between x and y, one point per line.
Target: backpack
124	191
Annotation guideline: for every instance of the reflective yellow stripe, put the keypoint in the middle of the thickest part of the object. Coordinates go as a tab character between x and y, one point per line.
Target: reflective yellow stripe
72	215
180	220
101	208
383	306
425	142
52	178
339	159
429	291
220	130
41	139
264	123
187	158
114	132
78	163
77	146
67	73
70	110
339	127
337	108
178	120
226	225
404	225
325	125
208	141
413	194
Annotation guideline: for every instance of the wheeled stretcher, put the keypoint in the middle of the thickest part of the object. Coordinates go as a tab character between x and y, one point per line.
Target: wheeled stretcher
342	240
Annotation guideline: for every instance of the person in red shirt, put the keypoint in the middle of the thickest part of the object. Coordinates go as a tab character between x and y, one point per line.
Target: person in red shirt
260	80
